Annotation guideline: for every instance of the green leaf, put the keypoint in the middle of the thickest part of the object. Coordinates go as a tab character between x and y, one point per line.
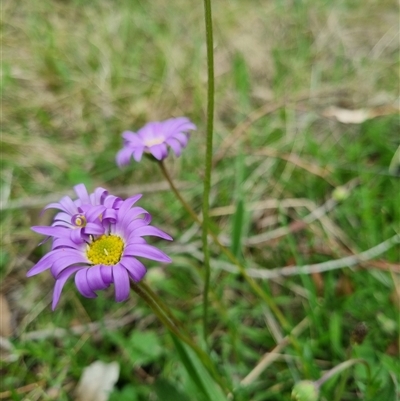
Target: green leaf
166	391
242	79
237	228
144	347
335	332
394	167
238	217
197	372
388	391
127	393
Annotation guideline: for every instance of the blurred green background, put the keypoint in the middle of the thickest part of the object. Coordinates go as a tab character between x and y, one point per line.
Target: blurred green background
305	104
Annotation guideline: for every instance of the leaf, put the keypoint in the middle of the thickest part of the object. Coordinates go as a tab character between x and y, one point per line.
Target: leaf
388	392
237	229
97	381
127	393
241	78
238	217
394	167
197	372
335	333
166	391
144	347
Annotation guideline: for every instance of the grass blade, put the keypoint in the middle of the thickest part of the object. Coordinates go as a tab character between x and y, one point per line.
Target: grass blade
199	375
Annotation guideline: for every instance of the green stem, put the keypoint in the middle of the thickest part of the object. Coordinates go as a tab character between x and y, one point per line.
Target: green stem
174	189
343	380
208	158
161	304
158	310
166	318
256	288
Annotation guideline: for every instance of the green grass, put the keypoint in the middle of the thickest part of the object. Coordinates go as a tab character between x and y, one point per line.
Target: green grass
76	74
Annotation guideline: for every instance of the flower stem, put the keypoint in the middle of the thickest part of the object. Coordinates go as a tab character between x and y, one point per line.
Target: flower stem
174	189
166	317
208	158
253	284
161	304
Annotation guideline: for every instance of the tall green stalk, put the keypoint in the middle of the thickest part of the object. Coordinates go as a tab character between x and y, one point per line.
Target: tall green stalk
205	222
208	159
169	321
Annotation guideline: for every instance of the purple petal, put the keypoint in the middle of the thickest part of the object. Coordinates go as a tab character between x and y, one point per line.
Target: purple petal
126	205
136	223
93	212
95	278
159	151
60	223
54	205
61	280
133	240
52	231
68	205
132	138
65	261
83	285
106	274
175	146
44	263
93	229
97	197
110	215
148	131
146	251
132	214
62	216
135	268
82	193
138	153
66	242
182	138
76	235
180	124
124	156
112	202
121	283
150	230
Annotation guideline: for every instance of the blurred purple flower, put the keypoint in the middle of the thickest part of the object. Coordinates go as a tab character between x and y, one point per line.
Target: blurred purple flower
154	138
100	259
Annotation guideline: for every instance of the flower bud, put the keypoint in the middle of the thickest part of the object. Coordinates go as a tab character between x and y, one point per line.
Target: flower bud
305	390
340	194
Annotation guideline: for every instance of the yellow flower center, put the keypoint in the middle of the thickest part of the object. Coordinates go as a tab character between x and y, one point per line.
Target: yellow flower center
106	250
156	141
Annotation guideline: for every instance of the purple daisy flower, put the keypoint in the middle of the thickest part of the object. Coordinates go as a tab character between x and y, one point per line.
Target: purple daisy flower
154	138
83	214
109	257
